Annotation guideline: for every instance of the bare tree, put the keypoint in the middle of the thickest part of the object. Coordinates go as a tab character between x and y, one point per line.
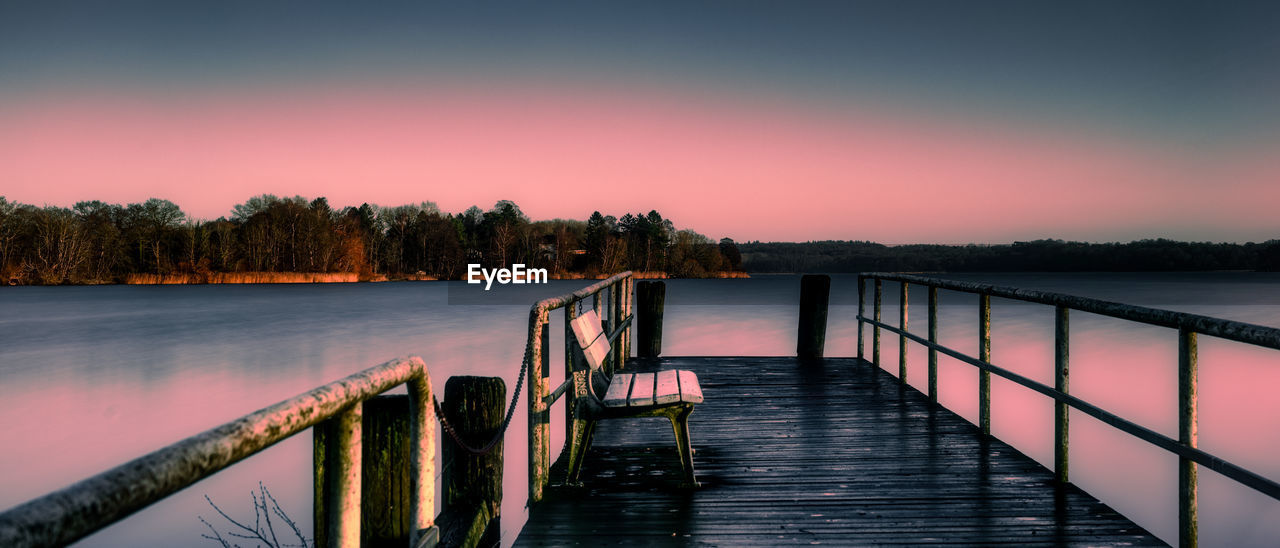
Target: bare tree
8	231
504	234
60	245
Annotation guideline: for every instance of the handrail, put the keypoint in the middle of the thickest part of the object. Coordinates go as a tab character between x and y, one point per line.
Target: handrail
79	510
1259	335
1188	325
618	322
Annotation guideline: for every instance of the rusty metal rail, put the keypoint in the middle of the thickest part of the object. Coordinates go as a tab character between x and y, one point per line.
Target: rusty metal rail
611	299
74	512
1188	326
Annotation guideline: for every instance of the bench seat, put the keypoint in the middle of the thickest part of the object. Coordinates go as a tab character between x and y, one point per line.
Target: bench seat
670	394
648	389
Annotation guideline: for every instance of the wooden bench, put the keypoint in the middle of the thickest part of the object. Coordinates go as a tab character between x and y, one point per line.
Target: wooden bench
671	394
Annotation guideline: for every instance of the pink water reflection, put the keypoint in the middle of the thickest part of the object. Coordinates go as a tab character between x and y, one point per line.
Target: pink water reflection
150	367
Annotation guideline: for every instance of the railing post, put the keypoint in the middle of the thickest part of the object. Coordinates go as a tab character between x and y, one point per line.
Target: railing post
811	334
651	294
1061	374
984	354
933	338
539	411
422	472
624	340
862	286
1188	529
570	344
902	339
337	479
615	310
875	330
627	296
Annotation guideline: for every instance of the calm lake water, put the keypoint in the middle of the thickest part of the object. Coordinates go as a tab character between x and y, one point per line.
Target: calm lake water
93	376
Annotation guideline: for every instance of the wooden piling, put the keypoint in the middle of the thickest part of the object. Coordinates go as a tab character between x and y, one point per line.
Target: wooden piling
651	296
475	407
386	510
811	337
862	287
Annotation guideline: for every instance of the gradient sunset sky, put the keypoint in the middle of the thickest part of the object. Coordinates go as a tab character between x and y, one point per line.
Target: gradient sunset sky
898	122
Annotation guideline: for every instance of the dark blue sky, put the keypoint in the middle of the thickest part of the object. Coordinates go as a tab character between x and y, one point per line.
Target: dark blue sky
936	121
1178	69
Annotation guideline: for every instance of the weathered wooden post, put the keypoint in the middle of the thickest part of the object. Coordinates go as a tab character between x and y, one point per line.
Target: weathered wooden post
475	408
1062	376
1188	527
572	358
384	473
386	489
628	285
984	354
875	331
337	472
862	287
933	338
615	312
815	291
539	411
652	296
422	471
902	339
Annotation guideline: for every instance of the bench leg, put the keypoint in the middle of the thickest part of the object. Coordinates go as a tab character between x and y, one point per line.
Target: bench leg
578	445
680	423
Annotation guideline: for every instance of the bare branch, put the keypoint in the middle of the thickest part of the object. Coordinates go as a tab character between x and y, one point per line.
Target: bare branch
258	534
215	536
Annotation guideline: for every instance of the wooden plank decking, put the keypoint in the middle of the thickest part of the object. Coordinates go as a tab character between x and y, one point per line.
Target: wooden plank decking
829	452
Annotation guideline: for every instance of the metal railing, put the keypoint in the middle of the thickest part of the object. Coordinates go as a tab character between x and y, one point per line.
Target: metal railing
611	299
79	510
1188	326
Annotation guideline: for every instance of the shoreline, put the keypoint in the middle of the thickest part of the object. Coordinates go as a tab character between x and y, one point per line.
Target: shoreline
223	278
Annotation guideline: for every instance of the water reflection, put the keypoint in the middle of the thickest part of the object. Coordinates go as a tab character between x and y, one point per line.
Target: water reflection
93	376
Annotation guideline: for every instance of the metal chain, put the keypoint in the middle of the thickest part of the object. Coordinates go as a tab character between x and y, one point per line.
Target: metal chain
511	411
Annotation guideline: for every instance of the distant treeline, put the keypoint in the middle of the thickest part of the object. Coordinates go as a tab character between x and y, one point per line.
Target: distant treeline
97	242
1039	255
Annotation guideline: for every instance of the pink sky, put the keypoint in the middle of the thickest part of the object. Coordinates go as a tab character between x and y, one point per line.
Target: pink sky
746	168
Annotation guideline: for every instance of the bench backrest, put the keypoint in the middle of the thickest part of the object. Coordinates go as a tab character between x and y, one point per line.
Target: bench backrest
591	338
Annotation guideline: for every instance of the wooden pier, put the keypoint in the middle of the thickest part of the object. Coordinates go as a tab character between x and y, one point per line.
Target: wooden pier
808	450
815	451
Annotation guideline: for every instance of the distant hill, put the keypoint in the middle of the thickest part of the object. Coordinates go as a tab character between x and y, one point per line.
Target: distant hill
1035	256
